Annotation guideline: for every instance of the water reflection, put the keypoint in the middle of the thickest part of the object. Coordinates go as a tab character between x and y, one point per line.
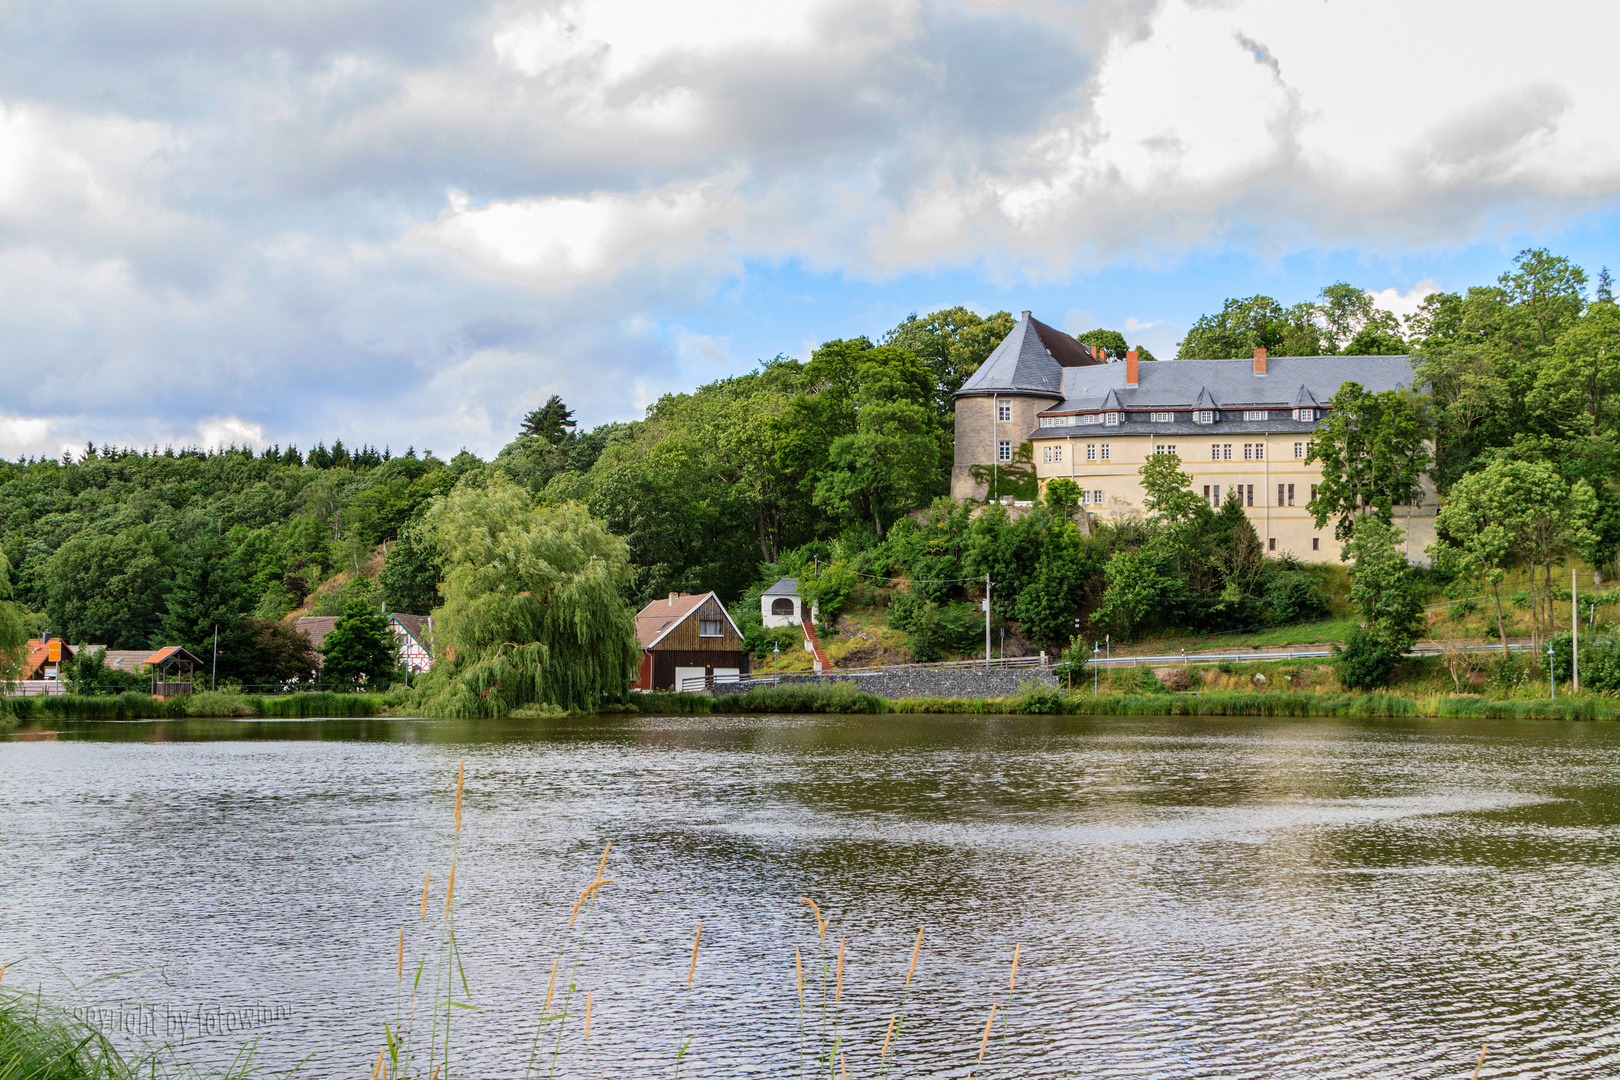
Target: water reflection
1193	898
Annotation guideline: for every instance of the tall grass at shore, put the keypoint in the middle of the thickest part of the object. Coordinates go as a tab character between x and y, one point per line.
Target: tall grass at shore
133	705
1033	699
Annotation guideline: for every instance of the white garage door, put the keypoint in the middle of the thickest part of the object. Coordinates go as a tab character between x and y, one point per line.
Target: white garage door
684	673
726	674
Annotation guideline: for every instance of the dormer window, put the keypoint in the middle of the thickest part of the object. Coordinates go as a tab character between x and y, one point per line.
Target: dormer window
1163	417
1089	418
1204	416
1110	418
1305	414
1256	414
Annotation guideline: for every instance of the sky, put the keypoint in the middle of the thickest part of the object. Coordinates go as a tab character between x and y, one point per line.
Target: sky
408	223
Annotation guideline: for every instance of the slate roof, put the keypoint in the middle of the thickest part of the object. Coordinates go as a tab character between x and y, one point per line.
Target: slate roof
1182	427
1228	384
1034	358
784	587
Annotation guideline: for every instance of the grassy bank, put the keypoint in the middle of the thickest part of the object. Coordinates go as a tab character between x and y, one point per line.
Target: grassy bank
136	706
846	698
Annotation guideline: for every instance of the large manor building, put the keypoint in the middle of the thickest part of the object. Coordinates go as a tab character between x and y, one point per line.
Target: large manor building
1241	429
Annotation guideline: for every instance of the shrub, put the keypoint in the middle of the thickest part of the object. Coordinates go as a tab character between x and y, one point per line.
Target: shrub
1366	660
1034	699
1294	596
1137	680
817	697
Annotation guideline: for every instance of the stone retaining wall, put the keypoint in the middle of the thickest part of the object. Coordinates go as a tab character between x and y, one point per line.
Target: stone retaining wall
922	682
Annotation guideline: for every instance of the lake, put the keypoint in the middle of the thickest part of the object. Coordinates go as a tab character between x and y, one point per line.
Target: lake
1191	897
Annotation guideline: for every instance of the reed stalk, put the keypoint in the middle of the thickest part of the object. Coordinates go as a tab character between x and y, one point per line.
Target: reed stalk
898	1024
687	1001
1482	1048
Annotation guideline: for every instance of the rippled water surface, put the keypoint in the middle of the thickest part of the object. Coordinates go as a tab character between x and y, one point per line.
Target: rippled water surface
1192	898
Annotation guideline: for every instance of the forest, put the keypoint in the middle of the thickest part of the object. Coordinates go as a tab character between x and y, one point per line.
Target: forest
835	469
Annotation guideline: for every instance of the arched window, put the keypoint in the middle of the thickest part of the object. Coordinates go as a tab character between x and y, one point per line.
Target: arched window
781	606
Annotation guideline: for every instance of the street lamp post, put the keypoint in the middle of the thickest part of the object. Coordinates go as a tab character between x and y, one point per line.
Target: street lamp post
1096	647
776	656
1552	677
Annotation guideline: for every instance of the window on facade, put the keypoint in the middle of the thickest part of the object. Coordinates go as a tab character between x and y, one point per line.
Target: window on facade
1313	493
1105	452
1226	451
1110	417
1316	543
1279	494
1299	450
1248	451
1304	414
1046	454
1004	411
1096	498
1091	451
1163	417
1256	414
1057	453
1004	450
1259	451
1165	448
1217	499
1290	494
1089	418
1251	494
710	628
1214	451
1206	493
1271	543
1206	416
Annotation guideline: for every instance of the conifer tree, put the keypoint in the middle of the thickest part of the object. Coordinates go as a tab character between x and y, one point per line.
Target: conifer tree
360	647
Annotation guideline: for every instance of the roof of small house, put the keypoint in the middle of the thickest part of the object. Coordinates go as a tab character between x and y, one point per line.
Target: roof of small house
784	587
417	626
1033	358
316	627
658	618
46	652
126	659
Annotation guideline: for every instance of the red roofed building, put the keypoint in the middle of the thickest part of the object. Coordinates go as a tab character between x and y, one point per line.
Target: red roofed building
686	637
45	658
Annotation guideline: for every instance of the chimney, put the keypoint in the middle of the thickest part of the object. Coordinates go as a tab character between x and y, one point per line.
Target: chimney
672	597
1130	368
1025	314
1259	361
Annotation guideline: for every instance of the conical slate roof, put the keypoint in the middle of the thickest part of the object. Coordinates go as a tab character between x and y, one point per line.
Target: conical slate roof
1304	399
1203	400
1031	359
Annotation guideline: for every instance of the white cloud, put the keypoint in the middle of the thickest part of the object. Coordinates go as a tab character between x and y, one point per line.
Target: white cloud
1405	304
230	431
566	239
1134	324
24	435
1293	123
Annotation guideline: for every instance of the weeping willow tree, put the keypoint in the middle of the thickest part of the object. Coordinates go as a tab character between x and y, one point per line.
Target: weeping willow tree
13	635
533	611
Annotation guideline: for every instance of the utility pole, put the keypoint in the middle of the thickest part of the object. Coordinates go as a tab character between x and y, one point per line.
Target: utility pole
1552	676
987	622
213	679
1574	633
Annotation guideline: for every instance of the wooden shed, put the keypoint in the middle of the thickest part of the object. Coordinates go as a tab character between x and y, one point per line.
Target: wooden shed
688	636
